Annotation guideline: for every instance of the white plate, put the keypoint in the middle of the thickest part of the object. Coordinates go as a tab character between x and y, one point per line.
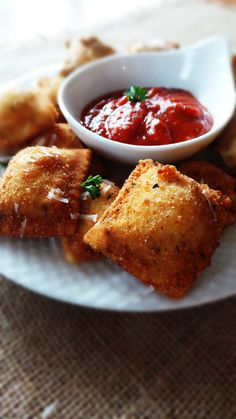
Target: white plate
39	265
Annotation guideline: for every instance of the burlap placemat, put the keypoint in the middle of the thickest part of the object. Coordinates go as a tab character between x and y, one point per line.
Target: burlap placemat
60	361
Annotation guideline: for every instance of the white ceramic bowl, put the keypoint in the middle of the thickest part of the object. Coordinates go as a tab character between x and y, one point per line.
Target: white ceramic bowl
203	68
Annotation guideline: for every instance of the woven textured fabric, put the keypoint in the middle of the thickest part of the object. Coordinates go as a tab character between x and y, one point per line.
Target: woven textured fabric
63	362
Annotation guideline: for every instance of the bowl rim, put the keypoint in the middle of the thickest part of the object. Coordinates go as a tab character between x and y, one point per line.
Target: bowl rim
215	129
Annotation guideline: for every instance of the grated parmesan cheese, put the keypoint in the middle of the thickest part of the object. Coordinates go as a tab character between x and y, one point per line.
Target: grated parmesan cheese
58	195
106	185
22	227
16	207
205	193
85	195
41	141
53	139
92	217
74	216
48	153
105	189
108	182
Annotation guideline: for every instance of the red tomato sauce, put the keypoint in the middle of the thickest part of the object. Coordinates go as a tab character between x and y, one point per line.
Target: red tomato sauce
166	116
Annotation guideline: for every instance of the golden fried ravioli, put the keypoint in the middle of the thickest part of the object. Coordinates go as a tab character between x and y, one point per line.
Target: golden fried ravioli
62	136
162	228
215	178
84	51
24	115
39	192
50	86
226	144
59	135
207	173
90	212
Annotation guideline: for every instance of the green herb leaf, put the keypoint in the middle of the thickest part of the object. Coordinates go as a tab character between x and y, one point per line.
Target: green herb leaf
3	163
92	185
136	94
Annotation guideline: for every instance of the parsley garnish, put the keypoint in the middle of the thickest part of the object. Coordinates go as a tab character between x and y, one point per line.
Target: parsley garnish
136	94
3	163
92	185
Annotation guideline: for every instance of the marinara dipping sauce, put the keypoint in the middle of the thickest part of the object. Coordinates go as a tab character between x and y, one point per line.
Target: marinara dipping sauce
153	116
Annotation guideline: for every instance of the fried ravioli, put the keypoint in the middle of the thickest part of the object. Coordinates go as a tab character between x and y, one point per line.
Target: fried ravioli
39	192
24	115
90	212
206	173
84	51
50	86
226	144
61	136
161	228
215	178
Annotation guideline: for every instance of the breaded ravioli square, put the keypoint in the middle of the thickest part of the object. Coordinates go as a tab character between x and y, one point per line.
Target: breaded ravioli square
91	210
62	136
40	190
163	228
59	135
207	173
226	144
84	51
215	178
24	115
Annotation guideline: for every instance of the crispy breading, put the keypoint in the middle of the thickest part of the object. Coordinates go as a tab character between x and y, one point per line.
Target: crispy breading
24	115
155	45
84	51
62	136
39	192
59	135
161	228
226	144
50	86
74	247
215	178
